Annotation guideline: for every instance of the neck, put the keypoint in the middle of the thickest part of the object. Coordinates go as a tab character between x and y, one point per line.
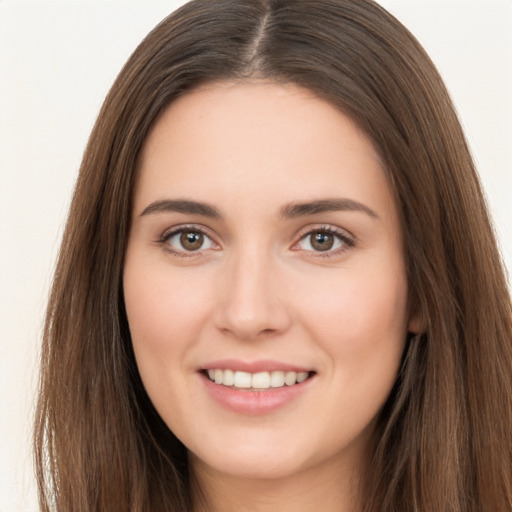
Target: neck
329	489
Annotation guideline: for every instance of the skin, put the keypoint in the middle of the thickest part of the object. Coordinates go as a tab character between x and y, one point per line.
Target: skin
257	290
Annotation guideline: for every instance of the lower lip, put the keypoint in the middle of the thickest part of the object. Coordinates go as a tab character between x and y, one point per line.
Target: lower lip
254	402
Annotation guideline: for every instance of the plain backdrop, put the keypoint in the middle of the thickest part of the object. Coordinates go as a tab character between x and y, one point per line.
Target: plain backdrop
57	61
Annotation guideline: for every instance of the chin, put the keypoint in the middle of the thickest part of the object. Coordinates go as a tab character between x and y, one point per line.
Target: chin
252	466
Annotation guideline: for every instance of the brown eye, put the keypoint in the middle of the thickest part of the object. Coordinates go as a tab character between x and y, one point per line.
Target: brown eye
187	240
191	240
322	241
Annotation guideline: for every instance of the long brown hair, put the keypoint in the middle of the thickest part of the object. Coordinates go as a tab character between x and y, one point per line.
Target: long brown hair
443	440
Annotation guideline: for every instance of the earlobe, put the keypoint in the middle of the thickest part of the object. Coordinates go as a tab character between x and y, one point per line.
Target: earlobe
415	324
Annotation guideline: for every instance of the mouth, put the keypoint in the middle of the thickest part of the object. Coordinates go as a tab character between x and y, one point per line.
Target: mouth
260	381
257	387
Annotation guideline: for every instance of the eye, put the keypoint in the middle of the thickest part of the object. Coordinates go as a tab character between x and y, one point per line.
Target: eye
324	240
186	240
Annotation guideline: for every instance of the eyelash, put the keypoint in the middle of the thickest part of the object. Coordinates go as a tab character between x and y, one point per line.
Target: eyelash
168	235
342	237
347	242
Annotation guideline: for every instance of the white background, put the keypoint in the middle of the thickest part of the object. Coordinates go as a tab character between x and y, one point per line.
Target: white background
58	59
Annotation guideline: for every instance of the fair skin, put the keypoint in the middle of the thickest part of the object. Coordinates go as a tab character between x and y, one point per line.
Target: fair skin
265	240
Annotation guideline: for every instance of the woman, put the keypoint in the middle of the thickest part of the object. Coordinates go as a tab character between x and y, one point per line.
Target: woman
278	288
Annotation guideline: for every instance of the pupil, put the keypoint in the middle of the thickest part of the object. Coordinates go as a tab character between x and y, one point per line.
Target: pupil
191	240
322	241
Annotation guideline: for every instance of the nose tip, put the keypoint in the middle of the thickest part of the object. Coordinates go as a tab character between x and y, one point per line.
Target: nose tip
246	329
252	305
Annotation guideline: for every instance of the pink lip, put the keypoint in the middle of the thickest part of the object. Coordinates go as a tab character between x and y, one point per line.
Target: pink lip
263	365
254	402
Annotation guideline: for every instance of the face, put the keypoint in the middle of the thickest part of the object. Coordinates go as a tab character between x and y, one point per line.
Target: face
264	280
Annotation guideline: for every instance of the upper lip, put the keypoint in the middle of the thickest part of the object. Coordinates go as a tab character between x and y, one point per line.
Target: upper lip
261	365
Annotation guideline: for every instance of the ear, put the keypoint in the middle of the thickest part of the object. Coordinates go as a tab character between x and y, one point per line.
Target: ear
415	324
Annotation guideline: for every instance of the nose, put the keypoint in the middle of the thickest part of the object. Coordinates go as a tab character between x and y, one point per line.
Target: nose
253	302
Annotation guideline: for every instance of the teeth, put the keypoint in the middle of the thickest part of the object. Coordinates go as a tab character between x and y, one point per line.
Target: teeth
242	380
260	380
277	379
229	378
302	376
290	378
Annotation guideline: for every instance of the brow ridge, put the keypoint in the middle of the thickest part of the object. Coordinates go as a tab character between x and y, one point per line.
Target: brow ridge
182	206
290	211
294	210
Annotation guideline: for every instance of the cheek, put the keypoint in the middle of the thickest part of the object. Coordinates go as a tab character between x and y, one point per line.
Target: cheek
360	303
359	317
163	310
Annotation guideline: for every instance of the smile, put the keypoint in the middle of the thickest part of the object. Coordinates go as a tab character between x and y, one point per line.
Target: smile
258	391
256	381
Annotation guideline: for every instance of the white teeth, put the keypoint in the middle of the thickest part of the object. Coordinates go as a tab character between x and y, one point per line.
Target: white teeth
260	380
302	376
242	380
290	378
277	379
229	378
218	376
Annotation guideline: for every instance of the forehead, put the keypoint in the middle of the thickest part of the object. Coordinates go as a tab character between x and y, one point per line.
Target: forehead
227	140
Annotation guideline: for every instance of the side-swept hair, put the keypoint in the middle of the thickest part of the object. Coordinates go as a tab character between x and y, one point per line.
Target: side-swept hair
443	440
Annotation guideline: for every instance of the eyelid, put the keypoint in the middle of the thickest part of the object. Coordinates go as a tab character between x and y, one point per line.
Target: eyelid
346	238
173	231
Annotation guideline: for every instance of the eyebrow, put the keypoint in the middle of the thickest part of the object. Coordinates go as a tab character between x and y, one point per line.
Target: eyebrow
290	211
182	206
294	210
